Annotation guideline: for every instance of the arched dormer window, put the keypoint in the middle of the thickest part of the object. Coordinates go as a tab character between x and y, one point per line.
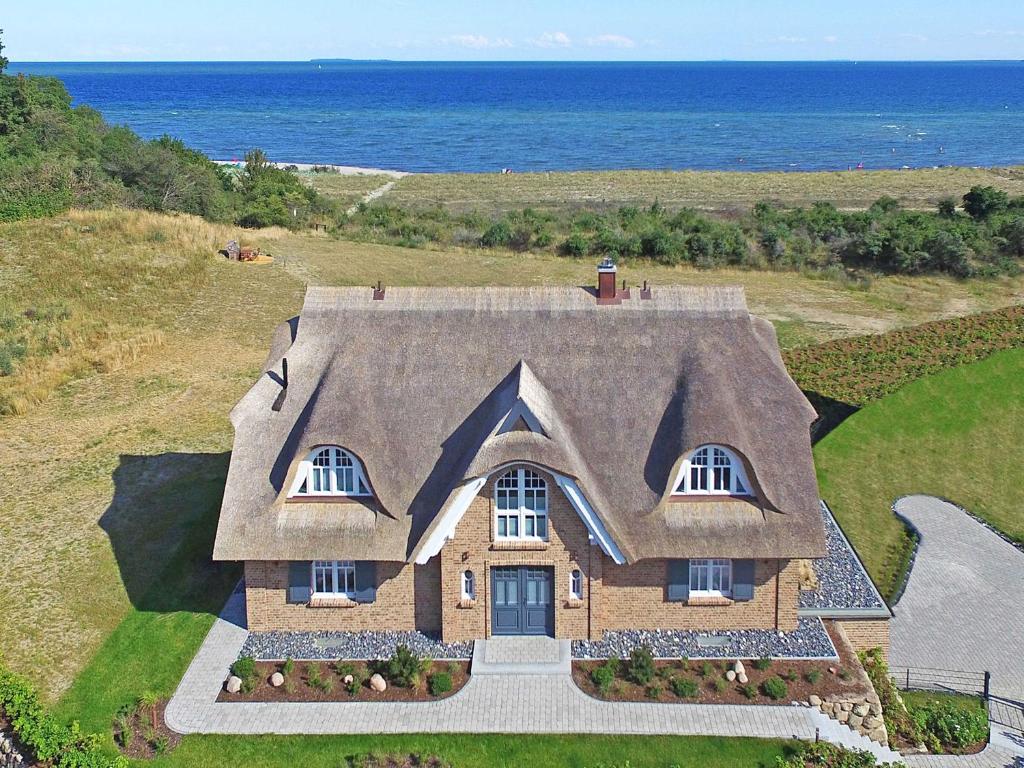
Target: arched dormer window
712	470
330	471
521	504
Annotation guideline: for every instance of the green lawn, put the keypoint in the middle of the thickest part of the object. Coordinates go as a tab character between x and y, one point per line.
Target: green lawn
958	435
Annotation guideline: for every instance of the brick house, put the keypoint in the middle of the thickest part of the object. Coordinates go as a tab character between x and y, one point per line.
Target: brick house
471	462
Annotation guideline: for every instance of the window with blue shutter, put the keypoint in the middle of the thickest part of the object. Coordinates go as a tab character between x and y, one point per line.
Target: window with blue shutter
678	580
300	581
366	581
742	579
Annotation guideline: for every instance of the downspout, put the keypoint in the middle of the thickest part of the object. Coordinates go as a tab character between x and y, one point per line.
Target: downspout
778	578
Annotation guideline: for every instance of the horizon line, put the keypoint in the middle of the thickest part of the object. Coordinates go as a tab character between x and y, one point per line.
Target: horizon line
342	59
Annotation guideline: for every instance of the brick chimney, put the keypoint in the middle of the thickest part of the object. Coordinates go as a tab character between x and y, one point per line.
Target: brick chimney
606	274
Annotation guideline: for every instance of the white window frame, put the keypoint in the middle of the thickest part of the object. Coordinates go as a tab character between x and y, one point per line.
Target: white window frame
575	584
518	485
330	463
337	577
716	470
716	574
468	585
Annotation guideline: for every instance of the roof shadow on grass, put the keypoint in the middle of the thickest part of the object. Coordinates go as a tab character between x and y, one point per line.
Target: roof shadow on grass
831	413
161	523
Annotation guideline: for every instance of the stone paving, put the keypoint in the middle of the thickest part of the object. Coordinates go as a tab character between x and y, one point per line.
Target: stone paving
962	607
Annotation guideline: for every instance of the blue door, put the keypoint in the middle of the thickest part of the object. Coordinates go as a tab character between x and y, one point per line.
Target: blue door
521	601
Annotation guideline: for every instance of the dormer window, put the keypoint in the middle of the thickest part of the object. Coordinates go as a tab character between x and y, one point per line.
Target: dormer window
521	505
330	471
712	470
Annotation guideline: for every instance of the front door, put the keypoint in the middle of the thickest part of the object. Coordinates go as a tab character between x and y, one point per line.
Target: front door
521	601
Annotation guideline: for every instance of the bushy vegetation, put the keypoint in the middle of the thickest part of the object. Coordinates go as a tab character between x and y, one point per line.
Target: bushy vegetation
822	754
405	668
986	239
53	156
641	666
775	688
50	741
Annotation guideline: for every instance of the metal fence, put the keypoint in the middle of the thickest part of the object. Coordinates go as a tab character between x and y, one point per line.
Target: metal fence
1001	710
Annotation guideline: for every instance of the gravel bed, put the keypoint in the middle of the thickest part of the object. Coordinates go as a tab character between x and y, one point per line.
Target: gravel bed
843	583
808	641
273	646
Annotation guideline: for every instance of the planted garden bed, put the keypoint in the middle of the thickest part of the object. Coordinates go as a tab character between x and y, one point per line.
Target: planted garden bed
140	731
406	677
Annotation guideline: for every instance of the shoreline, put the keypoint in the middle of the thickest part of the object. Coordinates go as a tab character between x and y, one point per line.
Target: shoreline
341	170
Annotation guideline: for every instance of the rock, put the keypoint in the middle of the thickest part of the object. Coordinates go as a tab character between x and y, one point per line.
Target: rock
234	684
855	721
348	679
277	679
828	708
730	675
875	709
378	683
742	678
738	668
814	700
846	706
860	710
879	735
871	722
833	671
872	698
842	716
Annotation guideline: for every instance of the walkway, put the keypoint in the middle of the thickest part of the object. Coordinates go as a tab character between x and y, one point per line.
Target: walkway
370	196
495	703
962	607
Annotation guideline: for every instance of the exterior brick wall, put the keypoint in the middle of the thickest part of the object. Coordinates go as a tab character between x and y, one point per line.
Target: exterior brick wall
408	597
865	634
473	548
635	597
429	597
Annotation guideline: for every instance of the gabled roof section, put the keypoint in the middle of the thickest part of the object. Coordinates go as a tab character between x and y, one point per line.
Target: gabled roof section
417	385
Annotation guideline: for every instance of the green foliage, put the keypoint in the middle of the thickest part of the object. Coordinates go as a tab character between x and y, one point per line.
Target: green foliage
640	668
945	721
653	691
244	668
3	59
897	720
813	676
982	202
822	754
603	677
749	691
440	682
721	684
775	688
405	668
790	676
684	687
65	746
762	663
706	669
288	667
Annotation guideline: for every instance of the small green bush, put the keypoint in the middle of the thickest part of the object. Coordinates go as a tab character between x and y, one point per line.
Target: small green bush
244	668
775	688
575	245
440	682
952	725
790	676
603	676
813	676
707	669
288	667
653	691
749	691
343	668
684	687
826	755
721	684
405	668
641	666
762	663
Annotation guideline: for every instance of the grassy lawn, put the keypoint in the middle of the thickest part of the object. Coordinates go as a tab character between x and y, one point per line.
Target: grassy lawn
917	699
480	751
711	190
958	434
346	189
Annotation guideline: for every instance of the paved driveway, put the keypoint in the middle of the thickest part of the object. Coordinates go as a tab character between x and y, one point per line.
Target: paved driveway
964	604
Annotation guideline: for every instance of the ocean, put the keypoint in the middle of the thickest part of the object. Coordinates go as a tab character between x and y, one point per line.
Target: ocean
571	116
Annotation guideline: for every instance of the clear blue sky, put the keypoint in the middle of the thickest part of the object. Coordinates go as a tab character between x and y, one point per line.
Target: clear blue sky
272	30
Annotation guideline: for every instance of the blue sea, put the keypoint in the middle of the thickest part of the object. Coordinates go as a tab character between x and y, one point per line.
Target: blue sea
571	116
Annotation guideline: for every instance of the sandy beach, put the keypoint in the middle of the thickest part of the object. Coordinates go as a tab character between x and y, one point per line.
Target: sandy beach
343	170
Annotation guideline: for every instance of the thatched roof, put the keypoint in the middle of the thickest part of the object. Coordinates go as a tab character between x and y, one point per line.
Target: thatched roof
416	384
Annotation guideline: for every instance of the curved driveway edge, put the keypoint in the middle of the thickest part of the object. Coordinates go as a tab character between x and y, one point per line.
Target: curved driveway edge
962	608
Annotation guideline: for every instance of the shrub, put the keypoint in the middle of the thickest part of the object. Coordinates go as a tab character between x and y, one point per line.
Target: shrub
952	725
603	676
706	669
343	668
653	691
982	202
499	234
775	688
790	676
826	755
288	667
641	666
575	245
440	682
762	664
684	687
721	684
749	691
405	668
244	668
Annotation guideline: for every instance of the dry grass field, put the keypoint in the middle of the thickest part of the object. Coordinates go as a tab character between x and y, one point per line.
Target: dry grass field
121	452
708	190
346	189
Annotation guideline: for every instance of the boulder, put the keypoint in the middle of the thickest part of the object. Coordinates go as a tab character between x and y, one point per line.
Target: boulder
842	716
347	679
828	708
730	675
872	698
846	706
875	709
742	677
879	735
234	684
378	683
277	679
860	709
738	668
814	700
871	722
833	671
855	721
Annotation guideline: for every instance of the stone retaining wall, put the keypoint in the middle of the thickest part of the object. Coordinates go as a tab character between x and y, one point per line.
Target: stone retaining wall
861	713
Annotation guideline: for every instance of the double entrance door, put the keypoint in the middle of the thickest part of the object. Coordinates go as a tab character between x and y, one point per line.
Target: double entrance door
521	601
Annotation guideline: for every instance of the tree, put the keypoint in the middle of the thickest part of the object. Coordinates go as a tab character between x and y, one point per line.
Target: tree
982	202
947	208
1013	233
256	167
3	59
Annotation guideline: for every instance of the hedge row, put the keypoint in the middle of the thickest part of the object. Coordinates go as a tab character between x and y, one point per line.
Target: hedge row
64	746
